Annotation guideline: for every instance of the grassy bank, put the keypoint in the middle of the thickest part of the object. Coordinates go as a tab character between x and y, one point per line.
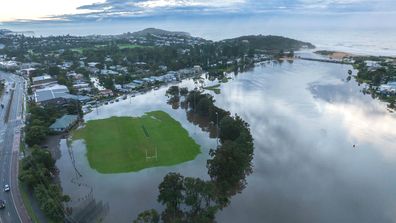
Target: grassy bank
126	144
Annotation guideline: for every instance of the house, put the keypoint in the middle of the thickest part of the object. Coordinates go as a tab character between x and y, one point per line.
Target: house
389	88
96	83
64	123
106	92
41	81
118	87
27	72
130	86
108	72
138	82
372	65
80	85
9	64
92	64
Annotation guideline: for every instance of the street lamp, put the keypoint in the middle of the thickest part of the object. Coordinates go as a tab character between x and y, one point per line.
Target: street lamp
217	130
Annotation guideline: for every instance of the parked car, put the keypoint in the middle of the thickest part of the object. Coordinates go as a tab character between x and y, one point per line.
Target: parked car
2	204
6	188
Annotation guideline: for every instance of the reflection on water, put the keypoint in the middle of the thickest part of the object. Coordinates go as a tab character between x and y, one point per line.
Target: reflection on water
305	119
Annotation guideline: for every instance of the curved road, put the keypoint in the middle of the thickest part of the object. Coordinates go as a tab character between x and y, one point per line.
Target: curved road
10	128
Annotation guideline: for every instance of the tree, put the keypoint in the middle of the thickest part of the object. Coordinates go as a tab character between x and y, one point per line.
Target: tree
229	129
291	53
183	91
203	106
35	134
173	91
54	71
149	216
43	157
49	201
36	167
171	189
200	197
227	169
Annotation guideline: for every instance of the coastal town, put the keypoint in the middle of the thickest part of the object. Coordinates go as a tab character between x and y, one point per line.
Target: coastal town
59	75
197	111
67	77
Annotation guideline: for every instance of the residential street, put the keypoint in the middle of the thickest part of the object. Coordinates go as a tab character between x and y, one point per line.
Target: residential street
10	132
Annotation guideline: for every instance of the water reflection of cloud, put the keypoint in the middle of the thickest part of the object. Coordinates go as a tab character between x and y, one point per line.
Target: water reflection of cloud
367	123
305	168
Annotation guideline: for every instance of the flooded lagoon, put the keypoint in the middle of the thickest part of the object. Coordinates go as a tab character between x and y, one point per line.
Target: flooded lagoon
305	118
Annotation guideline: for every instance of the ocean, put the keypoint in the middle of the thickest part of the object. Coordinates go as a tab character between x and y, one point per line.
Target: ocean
353	35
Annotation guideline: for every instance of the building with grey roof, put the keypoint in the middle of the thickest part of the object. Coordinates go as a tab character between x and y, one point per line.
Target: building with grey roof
42	81
58	94
64	123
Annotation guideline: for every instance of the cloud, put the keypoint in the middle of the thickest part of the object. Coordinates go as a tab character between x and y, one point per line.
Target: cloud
119	9
151	7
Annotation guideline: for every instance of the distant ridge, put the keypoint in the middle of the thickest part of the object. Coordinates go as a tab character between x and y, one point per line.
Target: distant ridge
10	32
159	32
5	31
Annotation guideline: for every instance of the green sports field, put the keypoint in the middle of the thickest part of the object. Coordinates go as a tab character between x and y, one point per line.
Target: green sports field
127	144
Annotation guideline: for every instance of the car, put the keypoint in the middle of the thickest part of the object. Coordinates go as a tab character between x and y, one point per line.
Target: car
6	188
2	204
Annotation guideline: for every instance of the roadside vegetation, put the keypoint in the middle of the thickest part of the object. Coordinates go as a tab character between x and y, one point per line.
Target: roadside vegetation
2	86
37	173
125	144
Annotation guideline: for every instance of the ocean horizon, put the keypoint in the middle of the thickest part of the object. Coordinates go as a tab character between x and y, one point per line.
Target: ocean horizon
360	40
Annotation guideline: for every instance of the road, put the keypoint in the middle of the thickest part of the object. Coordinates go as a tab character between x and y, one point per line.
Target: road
10	132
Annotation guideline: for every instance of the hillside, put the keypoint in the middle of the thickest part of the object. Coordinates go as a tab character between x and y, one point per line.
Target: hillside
159	32
270	42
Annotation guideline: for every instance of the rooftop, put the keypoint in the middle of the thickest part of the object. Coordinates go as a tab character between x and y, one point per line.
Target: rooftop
56	91
64	122
42	78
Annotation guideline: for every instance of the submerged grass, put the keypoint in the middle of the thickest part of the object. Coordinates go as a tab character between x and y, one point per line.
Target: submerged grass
120	144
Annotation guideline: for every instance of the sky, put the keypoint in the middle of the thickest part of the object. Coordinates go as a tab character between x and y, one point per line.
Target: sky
15	11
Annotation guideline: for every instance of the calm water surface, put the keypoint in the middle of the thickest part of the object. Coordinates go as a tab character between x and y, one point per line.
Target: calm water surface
305	119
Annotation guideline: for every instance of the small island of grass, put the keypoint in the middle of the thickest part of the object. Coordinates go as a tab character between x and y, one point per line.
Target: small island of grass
214	88
127	144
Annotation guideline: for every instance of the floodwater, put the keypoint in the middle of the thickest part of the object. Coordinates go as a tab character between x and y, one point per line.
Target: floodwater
324	152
